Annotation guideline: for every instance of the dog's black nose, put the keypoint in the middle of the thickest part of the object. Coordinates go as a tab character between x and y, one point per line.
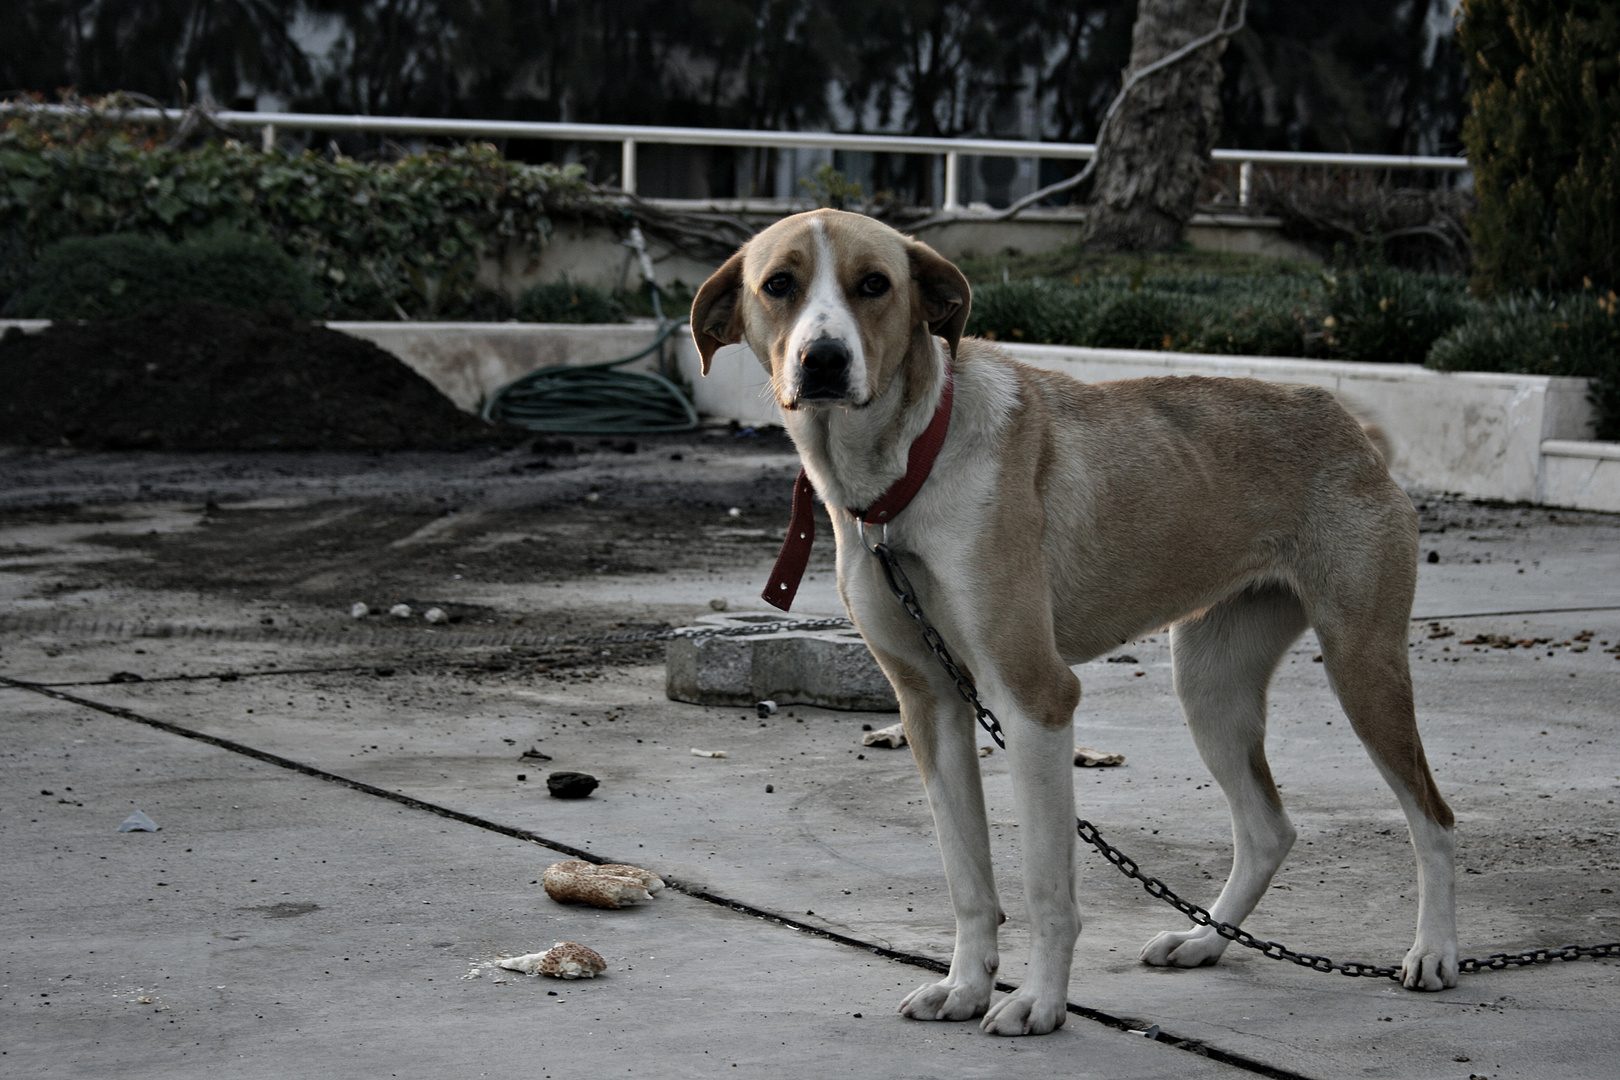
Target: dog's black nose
825	363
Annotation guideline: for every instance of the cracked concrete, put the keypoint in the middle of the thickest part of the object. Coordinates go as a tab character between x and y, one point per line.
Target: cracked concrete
1522	739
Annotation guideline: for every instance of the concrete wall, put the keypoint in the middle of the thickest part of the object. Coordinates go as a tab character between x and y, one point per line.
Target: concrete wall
1466	432
1519	438
469	361
593	254
1580	475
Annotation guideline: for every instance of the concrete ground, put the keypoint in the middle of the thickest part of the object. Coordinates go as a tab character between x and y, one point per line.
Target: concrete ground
285	924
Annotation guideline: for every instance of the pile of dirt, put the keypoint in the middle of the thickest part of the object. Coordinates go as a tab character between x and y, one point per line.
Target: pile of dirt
202	376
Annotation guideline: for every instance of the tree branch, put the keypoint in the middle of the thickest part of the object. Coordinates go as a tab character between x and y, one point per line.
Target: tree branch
1221	30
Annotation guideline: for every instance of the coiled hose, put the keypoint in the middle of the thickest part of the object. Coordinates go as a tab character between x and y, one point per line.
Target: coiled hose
596	399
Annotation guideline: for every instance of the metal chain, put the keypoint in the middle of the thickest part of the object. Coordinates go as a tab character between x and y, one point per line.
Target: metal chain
901	586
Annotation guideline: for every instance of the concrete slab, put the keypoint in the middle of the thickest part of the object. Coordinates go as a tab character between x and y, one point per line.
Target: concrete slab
282	926
832	668
1522	741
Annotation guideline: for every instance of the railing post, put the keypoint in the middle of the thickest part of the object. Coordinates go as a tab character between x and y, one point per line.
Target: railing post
1245	182
953	192
627	167
267	138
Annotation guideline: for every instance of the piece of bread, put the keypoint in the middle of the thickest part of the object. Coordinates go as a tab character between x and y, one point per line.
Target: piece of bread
613	885
564	960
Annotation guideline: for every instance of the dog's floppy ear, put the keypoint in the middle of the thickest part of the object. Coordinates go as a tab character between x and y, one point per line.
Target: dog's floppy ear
942	292
717	311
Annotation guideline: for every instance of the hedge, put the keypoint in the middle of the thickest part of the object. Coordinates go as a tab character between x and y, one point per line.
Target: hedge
1372	314
1543	136
380	237
1574	334
95	277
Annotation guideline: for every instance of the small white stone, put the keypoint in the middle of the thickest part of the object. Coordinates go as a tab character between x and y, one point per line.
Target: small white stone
359	610
735	511
435	615
400	611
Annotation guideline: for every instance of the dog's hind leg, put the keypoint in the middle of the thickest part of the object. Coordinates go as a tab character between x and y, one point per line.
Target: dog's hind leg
1367	666
1223	662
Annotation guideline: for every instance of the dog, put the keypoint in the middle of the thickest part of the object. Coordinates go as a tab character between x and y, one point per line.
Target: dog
1060	520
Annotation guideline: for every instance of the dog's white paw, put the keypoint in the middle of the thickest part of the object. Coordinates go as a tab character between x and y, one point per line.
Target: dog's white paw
1184	948
1026	1012
947	999
1430	967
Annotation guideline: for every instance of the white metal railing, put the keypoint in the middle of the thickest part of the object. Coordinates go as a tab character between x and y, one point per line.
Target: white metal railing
629	136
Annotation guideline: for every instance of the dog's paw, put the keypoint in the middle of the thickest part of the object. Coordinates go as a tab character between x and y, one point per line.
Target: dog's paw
1026	1012
1184	948
947	1000
1429	967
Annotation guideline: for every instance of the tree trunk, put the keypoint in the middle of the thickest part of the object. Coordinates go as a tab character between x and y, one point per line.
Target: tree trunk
1155	150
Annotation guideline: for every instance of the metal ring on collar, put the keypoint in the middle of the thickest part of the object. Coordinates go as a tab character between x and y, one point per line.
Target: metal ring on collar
860	529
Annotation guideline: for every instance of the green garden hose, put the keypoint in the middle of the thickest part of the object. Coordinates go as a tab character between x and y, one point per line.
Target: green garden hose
595	399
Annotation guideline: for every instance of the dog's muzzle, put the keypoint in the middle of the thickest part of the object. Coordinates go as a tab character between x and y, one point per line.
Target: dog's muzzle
824	370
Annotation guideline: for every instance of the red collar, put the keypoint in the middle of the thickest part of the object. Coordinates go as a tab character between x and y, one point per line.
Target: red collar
795	554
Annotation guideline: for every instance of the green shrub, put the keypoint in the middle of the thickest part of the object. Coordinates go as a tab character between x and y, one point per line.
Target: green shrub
568	302
1544	139
1574	334
377	237
1035	310
1199	313
91	277
1384	315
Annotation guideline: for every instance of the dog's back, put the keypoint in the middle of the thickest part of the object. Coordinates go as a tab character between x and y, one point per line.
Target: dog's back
1161	496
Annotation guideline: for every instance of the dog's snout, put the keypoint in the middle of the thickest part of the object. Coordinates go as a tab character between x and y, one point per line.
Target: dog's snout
824	364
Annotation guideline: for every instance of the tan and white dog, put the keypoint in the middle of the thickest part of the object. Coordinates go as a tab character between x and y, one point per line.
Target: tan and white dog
1061	520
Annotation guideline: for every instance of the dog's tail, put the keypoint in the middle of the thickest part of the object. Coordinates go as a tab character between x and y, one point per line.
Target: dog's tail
1377	436
1369	427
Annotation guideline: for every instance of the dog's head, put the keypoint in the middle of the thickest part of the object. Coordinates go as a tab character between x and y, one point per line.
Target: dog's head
833	304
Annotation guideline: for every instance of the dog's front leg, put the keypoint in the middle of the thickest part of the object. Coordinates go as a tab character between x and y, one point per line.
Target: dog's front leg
940	729
1041	752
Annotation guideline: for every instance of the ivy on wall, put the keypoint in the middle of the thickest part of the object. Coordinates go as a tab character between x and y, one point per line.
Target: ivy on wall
380	238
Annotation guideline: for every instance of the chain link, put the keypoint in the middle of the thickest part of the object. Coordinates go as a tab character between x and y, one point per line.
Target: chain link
901	586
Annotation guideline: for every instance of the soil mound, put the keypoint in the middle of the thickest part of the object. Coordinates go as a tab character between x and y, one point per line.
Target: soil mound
202	376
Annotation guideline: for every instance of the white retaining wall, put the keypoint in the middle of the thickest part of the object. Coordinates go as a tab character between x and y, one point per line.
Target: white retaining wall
469	361
1518	438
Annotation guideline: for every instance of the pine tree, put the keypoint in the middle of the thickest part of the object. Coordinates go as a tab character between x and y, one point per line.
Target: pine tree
1544	139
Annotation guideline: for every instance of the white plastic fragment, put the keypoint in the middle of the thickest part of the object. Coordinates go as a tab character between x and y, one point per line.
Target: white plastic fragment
707	753
735	511
564	960
359	609
400	611
139	822
435	615
893	736
610	885
1087	758
765	708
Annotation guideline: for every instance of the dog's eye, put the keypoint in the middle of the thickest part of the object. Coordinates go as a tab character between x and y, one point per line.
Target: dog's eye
873	285
778	284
